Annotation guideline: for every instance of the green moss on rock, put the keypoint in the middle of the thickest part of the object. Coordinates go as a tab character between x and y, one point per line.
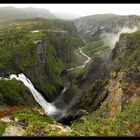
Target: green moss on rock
13	92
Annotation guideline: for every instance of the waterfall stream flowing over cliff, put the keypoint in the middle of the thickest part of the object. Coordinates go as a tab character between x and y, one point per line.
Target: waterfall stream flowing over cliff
48	108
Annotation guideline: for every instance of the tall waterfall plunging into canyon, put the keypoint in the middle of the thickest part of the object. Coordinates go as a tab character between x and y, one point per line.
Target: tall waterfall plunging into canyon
48	108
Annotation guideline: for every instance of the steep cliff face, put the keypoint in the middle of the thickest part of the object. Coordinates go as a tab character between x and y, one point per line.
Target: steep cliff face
90	24
64	24
125	69
119	80
65	44
115	96
46	71
38	50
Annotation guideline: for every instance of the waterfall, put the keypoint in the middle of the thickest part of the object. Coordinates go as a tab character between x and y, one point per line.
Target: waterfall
48	108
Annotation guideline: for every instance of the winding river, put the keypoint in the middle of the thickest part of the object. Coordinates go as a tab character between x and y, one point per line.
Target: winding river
84	64
57	108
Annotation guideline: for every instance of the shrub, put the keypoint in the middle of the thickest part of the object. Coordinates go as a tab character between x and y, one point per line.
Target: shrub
2	127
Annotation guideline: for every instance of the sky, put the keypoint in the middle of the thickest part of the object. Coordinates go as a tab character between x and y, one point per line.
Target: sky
85	9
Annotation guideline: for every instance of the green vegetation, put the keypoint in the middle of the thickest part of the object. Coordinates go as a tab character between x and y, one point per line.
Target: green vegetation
2	127
36	123
44	54
32	119
90	96
18	37
95	47
15	93
65	44
78	58
124	69
77	75
37	47
67	25
131	50
125	123
28	116
2	107
18	42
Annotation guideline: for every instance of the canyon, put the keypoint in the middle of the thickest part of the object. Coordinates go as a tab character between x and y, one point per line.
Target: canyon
82	74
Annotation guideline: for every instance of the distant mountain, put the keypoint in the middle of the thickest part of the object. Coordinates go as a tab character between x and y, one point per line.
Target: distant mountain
66	15
92	25
99	18
88	23
12	12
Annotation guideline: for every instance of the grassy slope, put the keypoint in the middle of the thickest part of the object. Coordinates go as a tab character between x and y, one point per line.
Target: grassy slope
36	123
95	47
125	123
